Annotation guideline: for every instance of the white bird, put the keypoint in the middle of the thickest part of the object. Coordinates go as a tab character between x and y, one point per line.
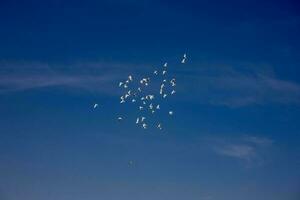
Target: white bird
162	86
122	101
130	163
95	105
126	95
144	125
155	72
165	95
141	107
143	118
139	89
170	112
164	72
137	120
133	100
129	92
164	80
144	102
184	58
173	92
166	64
130	77
125	86
151	106
120	84
159	126
160	91
173	84
153	111
157	107
151	97
142	98
120	118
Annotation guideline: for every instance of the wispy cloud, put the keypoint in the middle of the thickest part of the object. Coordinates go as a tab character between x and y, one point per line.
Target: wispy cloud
93	76
241	85
232	85
249	149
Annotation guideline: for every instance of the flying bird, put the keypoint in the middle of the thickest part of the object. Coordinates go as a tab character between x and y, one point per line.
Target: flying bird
184	58
159	126
144	125
95	105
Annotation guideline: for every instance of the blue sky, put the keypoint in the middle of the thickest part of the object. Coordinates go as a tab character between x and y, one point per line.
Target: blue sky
235	132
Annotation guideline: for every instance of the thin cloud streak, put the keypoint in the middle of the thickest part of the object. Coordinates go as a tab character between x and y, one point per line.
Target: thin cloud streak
250	149
239	86
215	84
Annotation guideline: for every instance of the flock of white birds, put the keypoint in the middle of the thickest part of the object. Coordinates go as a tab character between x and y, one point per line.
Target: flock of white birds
143	95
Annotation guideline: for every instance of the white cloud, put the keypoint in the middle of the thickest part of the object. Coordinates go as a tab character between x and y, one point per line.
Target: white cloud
250	149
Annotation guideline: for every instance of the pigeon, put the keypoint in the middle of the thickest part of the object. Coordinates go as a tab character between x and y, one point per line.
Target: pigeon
151	106
159	126
95	105
144	125
130	163
160	91
151	97
184	58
